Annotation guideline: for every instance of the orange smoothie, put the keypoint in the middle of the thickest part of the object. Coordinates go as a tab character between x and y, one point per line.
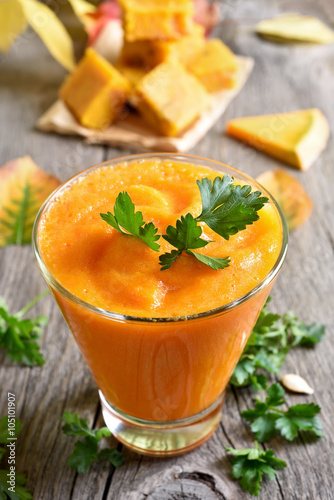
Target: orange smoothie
161	345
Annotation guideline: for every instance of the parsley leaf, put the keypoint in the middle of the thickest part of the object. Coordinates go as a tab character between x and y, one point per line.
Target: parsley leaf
127	221
19	336
168	258
86	452
83	455
21	492
213	262
300	417
186	234
250	464
301	334
228	208
186	237
267	419
271	340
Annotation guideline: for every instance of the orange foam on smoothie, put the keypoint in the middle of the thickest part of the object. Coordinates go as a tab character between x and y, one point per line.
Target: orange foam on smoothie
120	273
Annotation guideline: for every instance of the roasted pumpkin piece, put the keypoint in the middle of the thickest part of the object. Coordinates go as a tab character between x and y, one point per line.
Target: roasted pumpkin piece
169	98
156	19
95	91
150	53
216	67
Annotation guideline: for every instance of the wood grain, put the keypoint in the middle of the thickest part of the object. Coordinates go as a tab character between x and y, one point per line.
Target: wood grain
284	78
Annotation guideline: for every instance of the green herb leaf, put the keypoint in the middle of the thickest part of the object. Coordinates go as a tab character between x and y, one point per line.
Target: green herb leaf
6	433
213	262
301	334
21	492
275	396
86	452
186	237
19	336
228	208
300	418
76	426
168	258
214	194
271	340
267	419
127	221
250	464
115	457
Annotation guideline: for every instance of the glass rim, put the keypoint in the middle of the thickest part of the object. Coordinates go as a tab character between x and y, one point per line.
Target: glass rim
53	283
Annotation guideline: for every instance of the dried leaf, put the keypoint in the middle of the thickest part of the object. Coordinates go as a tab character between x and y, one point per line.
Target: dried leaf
296	383
12	23
289	194
82	9
23	189
50	30
293	27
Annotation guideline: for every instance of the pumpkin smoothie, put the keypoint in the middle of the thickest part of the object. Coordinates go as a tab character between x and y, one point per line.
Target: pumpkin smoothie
161	345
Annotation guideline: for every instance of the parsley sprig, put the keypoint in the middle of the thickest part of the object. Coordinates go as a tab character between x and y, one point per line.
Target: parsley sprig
19	336
226	208
86	452
21	492
267	419
127	221
250	464
271	340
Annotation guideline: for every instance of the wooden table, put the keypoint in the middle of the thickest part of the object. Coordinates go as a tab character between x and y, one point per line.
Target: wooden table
285	77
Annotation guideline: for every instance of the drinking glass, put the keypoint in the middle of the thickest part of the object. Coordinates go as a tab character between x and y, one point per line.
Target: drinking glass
162	380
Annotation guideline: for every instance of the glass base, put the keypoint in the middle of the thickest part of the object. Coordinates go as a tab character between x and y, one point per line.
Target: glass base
162	439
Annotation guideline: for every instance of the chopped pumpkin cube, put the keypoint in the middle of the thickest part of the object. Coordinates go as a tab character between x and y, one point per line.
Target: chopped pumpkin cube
133	74
156	19
169	98
95	91
216	67
150	53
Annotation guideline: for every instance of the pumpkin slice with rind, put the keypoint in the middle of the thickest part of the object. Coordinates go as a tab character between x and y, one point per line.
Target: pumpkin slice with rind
290	195
292	27
296	138
23	189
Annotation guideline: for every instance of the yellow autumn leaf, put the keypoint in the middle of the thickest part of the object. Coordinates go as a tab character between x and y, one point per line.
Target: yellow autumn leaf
23	189
293	27
50	30
81	9
289	194
12	23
